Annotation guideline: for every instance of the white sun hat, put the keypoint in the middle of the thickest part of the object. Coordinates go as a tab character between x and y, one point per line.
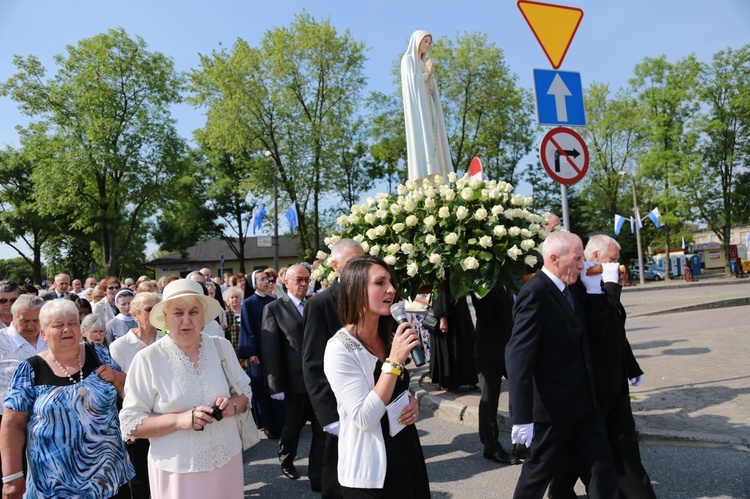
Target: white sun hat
182	288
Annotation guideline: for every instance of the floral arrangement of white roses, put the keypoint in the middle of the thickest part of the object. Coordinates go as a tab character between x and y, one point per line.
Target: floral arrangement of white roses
470	234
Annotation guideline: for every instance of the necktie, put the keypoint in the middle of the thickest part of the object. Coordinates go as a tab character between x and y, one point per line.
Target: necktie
301	307
569	297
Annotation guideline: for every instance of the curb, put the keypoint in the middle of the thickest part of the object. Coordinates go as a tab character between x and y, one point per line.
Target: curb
458	413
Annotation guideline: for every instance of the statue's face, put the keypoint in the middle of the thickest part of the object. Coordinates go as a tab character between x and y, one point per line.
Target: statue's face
424	45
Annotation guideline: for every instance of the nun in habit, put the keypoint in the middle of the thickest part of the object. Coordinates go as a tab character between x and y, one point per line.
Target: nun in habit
427	147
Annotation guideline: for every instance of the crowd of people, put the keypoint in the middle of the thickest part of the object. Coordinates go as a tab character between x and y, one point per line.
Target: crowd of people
134	377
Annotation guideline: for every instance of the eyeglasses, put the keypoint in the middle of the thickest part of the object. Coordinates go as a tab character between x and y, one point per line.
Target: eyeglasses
271	280
3	301
113	287
97	331
147	309
300	280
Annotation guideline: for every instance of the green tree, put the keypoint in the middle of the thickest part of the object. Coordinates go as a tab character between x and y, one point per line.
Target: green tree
20	218
666	93
725	142
108	109
293	96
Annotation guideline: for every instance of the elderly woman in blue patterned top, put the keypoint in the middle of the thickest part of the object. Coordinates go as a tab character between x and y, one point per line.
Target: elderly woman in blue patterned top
71	390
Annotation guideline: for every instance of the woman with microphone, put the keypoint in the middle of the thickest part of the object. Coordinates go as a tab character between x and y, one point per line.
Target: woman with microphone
379	450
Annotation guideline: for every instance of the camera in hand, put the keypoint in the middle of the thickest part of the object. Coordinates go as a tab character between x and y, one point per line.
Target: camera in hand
216	413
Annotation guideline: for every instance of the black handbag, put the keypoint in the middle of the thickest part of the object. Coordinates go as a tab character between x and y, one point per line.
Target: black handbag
430	322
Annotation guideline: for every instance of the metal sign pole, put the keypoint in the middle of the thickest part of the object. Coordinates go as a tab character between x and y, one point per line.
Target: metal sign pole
564	198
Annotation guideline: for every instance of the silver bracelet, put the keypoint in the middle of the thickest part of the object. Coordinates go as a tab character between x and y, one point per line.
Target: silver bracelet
10	478
234	405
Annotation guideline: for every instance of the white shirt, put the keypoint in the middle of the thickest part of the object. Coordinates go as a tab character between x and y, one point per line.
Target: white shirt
124	348
14	349
350	367
212	328
163	380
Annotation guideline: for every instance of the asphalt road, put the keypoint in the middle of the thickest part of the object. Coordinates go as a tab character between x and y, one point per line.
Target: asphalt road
457	469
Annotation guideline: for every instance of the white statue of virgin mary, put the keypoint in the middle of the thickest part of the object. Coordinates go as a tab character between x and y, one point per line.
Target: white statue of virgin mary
427	149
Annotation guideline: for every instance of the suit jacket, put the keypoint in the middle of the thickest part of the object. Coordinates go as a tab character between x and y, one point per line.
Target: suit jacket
282	330
611	356
547	358
321	323
49	295
494	325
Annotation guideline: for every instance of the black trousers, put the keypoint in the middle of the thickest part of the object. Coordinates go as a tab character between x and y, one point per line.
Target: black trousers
298	412
138	452
490	380
586	440
331	485
632	480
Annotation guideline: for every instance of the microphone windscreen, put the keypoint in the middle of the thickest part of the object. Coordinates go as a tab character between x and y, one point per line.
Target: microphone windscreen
398	311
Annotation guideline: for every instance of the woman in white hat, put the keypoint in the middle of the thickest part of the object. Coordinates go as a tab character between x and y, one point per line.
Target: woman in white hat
178	397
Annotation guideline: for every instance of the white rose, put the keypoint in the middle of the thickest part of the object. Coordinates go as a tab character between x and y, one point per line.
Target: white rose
527	244
470	263
485	194
375	250
535	227
365	246
514	252
370	218
409	206
411	221
429	192
435	258
514	231
363	208
371	234
393	248
499	230
407	247
381	213
485	241
353	219
467	193
542	234
451	238
438	180
452	177
530	260
390	260
417	196
355	209
359	238
430	221
411	269
380	230
321	255
480	214
383	204
410	185
475	183
497	209
462	212
342	220
430	239
370	202
398	227
429	203
401	189
444	212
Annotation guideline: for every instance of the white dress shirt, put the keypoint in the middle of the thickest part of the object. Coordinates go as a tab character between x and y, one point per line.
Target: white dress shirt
14	349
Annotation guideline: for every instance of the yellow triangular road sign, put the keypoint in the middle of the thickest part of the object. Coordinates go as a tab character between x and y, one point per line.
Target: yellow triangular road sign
553	26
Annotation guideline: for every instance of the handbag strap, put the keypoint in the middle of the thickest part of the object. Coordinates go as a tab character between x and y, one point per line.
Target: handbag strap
224	366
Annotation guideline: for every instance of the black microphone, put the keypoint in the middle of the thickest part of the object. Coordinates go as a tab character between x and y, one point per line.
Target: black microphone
399	313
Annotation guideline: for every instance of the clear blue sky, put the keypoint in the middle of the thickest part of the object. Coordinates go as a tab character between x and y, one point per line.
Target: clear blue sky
613	37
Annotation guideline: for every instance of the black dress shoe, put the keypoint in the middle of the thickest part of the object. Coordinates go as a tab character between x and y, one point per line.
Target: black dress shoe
500	456
290	471
520	451
271	435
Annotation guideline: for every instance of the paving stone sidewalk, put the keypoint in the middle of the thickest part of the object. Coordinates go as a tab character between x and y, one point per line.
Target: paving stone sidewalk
692	340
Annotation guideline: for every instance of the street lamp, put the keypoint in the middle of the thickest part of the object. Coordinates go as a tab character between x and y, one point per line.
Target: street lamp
637	228
275	242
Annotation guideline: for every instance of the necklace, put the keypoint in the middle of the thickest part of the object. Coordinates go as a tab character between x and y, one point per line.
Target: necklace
81	389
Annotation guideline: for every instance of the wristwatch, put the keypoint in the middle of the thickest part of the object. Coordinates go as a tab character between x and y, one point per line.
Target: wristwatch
389	368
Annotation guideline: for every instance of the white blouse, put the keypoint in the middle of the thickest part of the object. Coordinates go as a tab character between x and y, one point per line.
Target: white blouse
124	348
163	380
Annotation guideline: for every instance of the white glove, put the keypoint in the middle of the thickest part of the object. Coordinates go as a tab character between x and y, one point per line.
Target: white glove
637	381
593	283
611	272
278	396
522	434
333	428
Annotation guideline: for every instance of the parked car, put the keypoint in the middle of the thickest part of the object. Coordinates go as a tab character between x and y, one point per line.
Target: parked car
650	273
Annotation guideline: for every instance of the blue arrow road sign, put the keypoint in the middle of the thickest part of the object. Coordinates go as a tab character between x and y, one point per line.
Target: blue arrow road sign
559	98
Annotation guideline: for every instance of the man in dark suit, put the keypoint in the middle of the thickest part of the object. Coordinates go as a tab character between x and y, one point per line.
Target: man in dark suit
552	404
493	329
613	365
62	284
321	323
282	331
